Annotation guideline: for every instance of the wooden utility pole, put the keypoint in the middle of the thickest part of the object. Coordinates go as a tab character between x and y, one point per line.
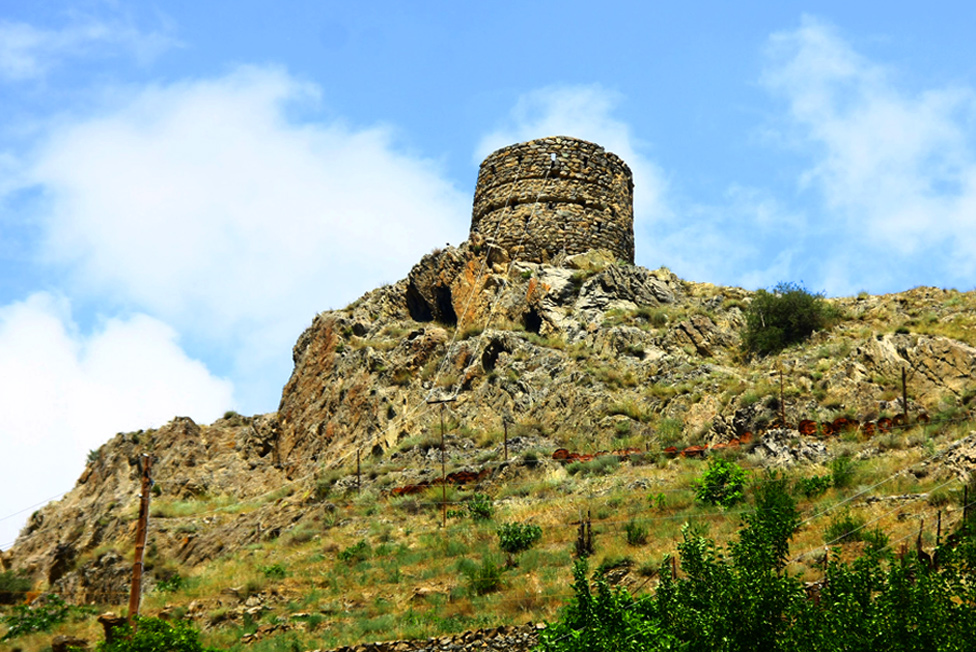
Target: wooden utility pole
359	478
135	594
505	426
441	402
904	396
782	400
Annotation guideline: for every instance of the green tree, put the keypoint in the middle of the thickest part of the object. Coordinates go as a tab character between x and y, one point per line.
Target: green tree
785	316
611	619
742	598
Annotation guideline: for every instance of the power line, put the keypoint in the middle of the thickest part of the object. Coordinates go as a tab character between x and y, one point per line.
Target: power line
40	504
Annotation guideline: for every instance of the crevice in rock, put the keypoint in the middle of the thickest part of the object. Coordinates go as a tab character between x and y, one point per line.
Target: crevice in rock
417	306
490	355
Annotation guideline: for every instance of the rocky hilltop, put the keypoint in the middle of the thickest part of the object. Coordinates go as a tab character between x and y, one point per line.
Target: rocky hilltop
582	354
521	352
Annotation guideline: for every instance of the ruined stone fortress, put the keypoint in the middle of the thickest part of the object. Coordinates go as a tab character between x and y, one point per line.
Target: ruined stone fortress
538	199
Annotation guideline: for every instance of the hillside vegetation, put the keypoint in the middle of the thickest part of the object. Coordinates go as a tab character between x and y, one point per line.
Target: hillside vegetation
264	536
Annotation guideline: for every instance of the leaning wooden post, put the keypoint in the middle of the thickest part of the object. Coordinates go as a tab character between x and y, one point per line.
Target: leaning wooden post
441	402
904	396
965	503
443	475
782	400
135	592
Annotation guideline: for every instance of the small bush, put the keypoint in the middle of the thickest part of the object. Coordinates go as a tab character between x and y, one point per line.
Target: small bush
613	562
842	471
325	482
653	316
636	533
485	577
480	507
516	537
813	486
939	498
155	635
845	528
41	616
785	316
301	534
875	538
723	483
604	465
354	553
13	587
274	571
170	582
670	431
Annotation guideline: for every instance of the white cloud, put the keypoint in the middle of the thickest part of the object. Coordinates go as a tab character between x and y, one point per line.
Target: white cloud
896	169
28	52
203	203
63	393
585	112
748	240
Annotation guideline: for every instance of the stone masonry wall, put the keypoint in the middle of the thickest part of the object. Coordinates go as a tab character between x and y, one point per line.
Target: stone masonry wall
507	639
535	206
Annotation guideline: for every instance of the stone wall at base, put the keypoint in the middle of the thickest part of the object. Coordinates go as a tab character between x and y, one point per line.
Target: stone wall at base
510	639
538	199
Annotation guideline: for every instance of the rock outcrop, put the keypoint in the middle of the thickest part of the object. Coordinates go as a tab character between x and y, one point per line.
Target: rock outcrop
578	355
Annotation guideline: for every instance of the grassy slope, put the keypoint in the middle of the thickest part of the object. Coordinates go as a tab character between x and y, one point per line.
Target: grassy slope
413	581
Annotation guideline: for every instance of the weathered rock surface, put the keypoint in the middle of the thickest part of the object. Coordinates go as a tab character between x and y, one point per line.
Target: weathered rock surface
514	639
578	354
785	447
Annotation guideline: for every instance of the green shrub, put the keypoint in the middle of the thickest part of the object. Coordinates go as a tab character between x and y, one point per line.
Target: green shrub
785	316
813	486
723	483
939	498
274	571
169	582
845	528
356	552
480	507
155	635
670	431
13	587
40	616
516	537
741	597
875	538
613	562
842	471
604	465
485	577
636	533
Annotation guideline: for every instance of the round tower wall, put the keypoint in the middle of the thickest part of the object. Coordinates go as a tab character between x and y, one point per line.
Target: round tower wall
535	205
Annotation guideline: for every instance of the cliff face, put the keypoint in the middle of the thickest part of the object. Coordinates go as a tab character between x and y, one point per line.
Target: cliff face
584	354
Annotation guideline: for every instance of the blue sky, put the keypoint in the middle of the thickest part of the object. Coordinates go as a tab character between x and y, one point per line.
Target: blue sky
183	185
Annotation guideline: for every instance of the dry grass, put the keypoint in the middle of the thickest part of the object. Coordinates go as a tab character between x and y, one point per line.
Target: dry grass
409	580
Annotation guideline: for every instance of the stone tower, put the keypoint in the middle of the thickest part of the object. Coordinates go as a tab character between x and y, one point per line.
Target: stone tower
537	199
